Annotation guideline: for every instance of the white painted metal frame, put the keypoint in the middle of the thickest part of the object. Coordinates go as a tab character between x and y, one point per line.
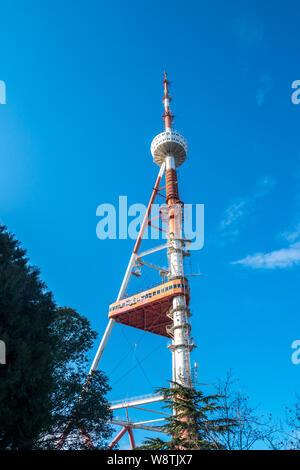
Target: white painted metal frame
136	401
152	250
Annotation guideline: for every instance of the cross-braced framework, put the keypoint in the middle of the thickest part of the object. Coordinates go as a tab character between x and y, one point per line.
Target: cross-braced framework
162	310
128	425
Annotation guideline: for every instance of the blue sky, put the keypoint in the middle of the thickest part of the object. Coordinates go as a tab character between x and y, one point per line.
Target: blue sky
83	82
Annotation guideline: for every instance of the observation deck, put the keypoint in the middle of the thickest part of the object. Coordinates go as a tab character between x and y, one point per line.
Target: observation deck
148	310
169	143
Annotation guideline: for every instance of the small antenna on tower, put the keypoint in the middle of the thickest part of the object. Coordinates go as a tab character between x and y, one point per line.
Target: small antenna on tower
168	117
195	375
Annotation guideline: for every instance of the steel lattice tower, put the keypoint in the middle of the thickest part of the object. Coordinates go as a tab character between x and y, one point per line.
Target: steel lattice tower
170	148
162	310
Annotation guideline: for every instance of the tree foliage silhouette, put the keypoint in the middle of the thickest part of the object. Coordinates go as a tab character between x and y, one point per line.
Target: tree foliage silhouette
46	358
195	423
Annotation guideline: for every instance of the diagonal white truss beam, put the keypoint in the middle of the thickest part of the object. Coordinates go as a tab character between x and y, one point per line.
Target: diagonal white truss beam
130	266
152	250
136	425
135	401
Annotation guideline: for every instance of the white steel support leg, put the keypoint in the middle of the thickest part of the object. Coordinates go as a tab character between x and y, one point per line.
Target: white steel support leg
102	346
111	321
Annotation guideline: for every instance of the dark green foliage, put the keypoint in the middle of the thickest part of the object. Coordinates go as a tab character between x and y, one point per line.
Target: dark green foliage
46	358
72	409
195	424
26	311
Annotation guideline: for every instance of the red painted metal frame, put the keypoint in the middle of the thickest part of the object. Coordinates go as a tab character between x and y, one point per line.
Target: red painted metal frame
131	438
119	436
87	440
146	218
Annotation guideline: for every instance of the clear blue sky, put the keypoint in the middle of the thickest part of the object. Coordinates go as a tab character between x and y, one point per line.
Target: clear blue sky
84	96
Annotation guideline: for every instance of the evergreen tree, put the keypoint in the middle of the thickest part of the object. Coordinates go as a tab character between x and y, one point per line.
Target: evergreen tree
26	312
195	423
46	359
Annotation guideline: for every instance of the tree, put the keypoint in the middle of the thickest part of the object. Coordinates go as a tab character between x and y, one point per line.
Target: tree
26	311
251	427
46	362
289	436
294	425
76	404
195	423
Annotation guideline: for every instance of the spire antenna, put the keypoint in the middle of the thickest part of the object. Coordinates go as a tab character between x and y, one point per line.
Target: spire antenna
168	117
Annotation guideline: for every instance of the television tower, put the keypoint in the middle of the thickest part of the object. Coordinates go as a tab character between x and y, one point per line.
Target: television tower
170	147
162	310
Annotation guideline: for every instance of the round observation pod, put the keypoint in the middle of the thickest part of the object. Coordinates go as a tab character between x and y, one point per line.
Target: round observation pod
169	143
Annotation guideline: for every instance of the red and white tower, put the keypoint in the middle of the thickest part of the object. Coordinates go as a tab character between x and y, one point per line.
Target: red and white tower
170	148
162	310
